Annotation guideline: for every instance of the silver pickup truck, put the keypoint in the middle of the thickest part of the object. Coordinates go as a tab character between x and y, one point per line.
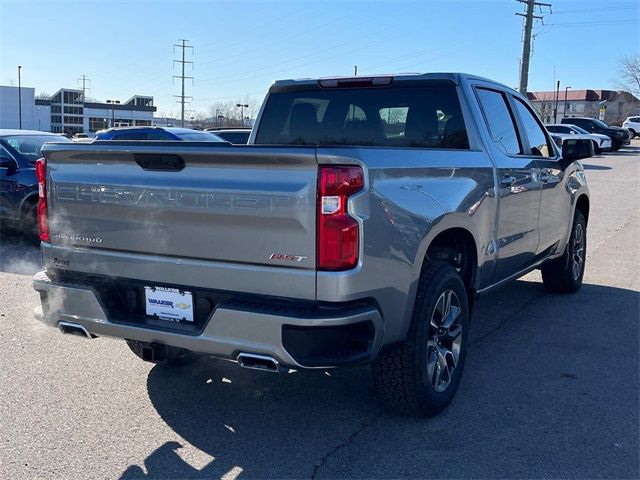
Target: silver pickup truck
358	226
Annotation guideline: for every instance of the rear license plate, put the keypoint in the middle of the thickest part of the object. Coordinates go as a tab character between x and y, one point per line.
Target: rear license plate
169	304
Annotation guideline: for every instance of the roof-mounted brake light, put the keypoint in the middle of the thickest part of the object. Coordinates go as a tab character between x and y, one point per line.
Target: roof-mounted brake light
355	82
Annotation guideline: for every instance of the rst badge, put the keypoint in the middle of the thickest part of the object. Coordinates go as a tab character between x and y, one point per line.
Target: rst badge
287	257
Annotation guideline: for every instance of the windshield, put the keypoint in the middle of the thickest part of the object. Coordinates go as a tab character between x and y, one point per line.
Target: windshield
30	145
579	129
197	137
600	123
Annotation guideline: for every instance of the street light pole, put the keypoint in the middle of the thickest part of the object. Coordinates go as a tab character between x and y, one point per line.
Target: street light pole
113	108
19	98
242	106
555	110
564	110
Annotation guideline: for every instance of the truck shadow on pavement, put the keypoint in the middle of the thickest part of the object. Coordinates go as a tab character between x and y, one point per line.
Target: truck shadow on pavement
536	400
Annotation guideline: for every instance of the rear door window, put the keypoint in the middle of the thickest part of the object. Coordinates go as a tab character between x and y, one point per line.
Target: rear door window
158	136
423	116
130	136
499	121
538	141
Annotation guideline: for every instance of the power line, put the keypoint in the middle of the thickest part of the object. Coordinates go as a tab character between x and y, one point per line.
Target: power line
84	79
598	22
183	98
600	9
529	17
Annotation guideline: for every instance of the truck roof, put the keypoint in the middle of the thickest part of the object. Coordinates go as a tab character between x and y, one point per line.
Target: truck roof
455	77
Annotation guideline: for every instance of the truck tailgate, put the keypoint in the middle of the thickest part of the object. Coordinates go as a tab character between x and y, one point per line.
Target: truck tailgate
245	205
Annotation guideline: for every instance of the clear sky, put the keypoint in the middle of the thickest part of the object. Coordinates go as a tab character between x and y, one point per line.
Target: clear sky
240	47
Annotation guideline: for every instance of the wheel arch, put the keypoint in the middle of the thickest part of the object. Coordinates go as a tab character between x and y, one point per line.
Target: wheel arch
27	202
451	231
582	204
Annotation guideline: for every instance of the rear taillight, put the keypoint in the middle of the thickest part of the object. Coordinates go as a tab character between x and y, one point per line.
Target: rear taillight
43	222
337	231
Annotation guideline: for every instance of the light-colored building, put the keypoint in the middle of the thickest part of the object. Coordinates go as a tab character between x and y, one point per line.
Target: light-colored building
68	112
10	103
617	105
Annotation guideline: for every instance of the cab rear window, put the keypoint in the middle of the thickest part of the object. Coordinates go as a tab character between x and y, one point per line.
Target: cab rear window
413	116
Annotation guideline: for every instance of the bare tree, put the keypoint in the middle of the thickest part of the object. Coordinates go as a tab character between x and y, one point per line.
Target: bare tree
227	114
43	96
629	74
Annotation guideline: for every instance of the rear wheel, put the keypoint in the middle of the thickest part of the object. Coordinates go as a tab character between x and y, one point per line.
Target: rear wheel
29	223
564	275
421	376
161	354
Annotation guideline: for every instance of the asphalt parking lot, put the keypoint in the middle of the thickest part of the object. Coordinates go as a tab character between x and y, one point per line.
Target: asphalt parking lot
550	389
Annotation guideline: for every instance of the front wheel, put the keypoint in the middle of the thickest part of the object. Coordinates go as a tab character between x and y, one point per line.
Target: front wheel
632	133
421	376
564	275
596	148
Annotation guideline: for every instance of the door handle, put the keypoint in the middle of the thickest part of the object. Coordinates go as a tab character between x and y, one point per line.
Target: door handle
545	173
507	181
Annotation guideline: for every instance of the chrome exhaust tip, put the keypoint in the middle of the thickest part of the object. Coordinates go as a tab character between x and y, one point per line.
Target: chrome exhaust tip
69	328
254	361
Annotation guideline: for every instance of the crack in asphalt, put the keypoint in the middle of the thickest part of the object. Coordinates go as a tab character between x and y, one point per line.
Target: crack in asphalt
366	424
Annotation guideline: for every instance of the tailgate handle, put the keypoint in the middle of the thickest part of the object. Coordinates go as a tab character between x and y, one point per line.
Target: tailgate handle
160	162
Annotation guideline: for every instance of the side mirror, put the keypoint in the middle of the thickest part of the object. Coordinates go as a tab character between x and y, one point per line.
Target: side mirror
576	148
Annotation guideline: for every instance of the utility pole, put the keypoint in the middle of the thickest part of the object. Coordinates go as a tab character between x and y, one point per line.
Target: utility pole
84	79
355	70
19	98
526	40
183	99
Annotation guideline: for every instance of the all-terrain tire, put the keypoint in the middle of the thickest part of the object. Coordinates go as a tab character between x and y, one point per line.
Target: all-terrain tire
172	357
403	376
564	275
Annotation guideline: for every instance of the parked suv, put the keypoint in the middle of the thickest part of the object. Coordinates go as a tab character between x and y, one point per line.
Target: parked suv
358	226
619	136
19	150
601	143
633	125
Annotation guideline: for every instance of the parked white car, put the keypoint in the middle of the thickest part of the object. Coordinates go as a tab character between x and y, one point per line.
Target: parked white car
633	125
601	143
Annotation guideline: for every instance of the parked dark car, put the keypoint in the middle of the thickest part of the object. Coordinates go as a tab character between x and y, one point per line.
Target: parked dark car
19	149
237	136
619	136
157	133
